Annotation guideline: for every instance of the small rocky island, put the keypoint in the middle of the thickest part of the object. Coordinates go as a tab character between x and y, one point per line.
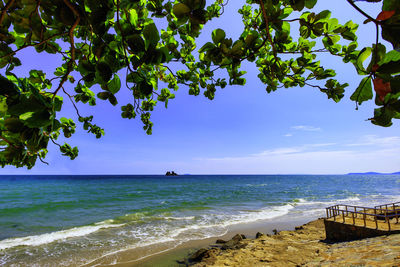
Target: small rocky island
171	173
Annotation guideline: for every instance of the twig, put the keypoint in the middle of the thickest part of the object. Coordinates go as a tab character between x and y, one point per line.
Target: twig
315	86
73	103
45	162
28	45
362	12
54	142
3	12
72	42
6	140
376	44
267	28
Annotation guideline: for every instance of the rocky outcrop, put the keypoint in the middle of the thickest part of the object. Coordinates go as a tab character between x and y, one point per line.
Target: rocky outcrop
306	246
171	173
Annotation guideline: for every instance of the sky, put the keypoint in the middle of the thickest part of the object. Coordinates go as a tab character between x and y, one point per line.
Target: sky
244	130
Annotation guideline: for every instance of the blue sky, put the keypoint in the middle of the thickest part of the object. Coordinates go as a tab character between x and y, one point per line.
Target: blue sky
244	130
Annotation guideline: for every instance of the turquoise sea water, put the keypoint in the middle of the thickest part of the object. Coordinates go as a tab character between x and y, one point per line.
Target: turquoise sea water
73	220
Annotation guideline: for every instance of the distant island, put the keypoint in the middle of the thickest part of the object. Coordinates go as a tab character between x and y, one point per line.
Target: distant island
171	173
372	173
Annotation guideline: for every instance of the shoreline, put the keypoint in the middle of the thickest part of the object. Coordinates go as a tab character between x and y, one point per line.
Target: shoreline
165	256
292	245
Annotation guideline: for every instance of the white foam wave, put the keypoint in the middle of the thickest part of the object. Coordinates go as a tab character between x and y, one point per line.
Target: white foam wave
202	229
222	221
37	240
180	218
303	202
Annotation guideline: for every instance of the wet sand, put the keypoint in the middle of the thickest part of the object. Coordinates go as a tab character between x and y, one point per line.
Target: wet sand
172	257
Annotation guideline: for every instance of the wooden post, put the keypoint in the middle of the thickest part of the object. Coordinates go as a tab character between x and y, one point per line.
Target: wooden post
355	209
397	216
327	216
376	221
354	222
365	223
347	212
344	220
334	214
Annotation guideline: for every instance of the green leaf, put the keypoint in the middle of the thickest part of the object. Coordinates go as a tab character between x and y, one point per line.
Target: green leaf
180	10
382	117
332	24
133	17
36	119
207	46
151	35
285	12
310	3
392	56
389	5
103	95
363	91
3	105
57	103
362	56
113	100
323	15
103	72
114	85
218	36
298	4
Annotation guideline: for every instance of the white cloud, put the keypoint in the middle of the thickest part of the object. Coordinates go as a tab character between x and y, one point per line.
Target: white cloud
324	158
374	140
306	128
279	151
288	135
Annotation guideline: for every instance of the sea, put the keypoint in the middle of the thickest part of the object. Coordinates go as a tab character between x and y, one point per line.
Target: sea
53	220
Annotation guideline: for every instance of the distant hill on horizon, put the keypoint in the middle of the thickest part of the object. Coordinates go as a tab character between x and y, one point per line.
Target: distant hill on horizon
372	173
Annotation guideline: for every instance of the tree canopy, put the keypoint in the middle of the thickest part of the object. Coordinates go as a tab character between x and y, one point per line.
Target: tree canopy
99	39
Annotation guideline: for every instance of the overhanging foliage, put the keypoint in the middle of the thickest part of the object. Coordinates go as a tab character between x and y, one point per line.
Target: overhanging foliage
109	36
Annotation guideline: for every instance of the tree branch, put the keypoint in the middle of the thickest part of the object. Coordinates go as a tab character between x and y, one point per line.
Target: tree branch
3	12
73	103
28	45
362	12
71	62
267	27
6	140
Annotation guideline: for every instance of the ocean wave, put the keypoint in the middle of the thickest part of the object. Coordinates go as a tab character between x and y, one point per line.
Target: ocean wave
303	202
37	240
180	218
204	226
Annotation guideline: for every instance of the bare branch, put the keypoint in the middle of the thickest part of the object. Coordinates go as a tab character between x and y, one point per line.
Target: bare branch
3	12
362	12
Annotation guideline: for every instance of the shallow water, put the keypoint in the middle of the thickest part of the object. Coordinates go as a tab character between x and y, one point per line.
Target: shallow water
73	220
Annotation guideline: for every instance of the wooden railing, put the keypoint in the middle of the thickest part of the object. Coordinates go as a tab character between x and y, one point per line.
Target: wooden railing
390	206
384	212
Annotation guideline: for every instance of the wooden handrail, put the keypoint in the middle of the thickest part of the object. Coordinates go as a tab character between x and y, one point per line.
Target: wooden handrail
389	211
370	214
